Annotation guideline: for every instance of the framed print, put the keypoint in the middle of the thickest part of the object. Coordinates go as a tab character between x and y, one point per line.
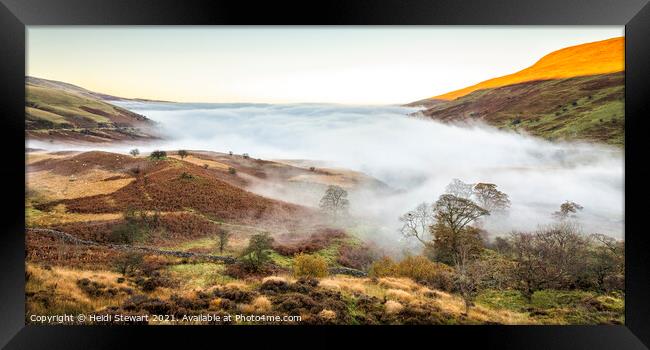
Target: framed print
221	171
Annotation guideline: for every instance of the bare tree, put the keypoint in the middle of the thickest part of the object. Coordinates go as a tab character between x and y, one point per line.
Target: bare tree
457	212
460	189
567	210
471	272
551	257
134	152
453	215
607	259
416	223
489	198
335	201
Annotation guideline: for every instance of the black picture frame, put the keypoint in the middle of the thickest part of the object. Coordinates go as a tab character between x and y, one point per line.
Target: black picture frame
15	15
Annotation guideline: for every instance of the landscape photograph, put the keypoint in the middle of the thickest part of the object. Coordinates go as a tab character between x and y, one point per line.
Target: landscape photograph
335	175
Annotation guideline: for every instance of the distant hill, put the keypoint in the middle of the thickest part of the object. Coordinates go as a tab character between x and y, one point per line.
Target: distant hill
65	112
600	57
81	91
576	93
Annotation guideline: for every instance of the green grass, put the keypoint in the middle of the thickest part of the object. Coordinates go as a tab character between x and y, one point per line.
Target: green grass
559	306
589	108
205	242
51	108
281	260
200	275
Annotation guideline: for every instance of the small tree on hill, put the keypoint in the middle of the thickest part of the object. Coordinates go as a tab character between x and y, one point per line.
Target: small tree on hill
568	210
126	263
182	153
491	199
223	236
134	152
256	253
416	223
158	155
335	201
453	215
133	228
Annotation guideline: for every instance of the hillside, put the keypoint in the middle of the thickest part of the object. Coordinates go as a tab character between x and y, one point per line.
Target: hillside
59	85
576	93
587	108
600	57
64	112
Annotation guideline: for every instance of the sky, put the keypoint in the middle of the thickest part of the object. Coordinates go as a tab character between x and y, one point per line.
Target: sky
292	64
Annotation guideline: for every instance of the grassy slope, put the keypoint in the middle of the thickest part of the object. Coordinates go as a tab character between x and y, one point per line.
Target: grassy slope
49	108
587	108
600	57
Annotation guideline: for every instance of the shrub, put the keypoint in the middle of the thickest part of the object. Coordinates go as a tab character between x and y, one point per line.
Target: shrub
313	243
311	168
127	263
256	253
356	257
205	166
158	155
309	266
418	268
383	267
134	152
186	176
182	154
232	171
245	155
133	229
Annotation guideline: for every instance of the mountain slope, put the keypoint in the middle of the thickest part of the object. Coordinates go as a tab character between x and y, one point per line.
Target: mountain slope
576	93
589	108
600	57
67	87
61	111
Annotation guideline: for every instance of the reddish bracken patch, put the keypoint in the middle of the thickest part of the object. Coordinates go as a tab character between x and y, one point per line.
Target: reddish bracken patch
289	246
178	186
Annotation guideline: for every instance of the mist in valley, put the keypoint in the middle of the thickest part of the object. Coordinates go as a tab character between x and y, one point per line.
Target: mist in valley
415	158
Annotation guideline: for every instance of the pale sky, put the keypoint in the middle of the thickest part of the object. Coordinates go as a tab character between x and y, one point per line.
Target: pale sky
339	64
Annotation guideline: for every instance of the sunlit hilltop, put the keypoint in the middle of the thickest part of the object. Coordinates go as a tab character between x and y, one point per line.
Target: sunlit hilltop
600	57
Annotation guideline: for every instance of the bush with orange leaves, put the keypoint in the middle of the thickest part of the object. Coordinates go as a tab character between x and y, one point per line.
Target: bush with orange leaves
309	266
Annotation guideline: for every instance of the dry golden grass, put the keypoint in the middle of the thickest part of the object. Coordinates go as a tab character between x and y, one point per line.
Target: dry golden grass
398	283
274	279
393	307
33	157
237	285
327	314
64	283
400	295
259	305
59	216
200	161
343	283
401	291
89	183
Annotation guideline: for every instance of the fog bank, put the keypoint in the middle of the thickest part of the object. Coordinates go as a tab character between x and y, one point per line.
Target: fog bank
418	157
